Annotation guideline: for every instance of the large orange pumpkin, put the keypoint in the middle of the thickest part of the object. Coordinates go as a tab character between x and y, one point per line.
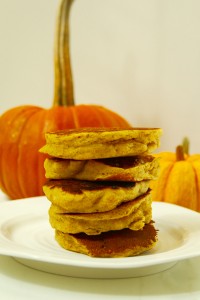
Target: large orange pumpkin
22	128
179	179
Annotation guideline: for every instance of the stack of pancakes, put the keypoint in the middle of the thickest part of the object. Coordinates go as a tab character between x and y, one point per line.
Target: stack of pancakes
98	185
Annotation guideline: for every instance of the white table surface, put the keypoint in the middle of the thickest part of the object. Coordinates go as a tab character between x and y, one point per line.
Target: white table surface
21	282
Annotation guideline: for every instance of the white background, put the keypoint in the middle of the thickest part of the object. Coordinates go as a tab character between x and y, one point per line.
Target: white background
140	58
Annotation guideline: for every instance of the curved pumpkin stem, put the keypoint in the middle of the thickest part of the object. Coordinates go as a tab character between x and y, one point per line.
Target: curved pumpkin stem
63	86
179	153
182	150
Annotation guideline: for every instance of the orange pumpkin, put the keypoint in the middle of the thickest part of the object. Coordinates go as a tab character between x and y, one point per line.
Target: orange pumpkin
179	179
22	128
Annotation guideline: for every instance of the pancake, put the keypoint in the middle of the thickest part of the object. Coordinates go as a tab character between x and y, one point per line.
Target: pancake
78	196
120	243
96	143
133	214
133	168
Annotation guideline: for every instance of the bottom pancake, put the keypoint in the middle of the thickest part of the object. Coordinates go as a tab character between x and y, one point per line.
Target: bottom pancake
120	243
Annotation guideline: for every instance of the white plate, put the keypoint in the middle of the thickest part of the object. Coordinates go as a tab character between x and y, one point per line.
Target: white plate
26	234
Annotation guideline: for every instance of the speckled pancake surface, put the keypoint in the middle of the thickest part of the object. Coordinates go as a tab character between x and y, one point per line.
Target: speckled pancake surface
96	143
133	214
121	243
78	196
133	168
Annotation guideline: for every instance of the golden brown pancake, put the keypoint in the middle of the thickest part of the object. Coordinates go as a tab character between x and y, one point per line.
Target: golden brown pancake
133	168
78	196
133	214
96	143
99	189
119	243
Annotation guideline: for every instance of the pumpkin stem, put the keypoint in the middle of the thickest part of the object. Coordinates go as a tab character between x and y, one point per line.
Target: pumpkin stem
63	86
179	153
186	145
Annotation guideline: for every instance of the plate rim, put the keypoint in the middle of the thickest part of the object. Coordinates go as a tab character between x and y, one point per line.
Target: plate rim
102	263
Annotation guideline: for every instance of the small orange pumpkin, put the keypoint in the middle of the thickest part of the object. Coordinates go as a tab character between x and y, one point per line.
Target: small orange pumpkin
22	128
179	179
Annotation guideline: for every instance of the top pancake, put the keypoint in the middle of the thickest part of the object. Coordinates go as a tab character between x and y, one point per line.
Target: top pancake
96	143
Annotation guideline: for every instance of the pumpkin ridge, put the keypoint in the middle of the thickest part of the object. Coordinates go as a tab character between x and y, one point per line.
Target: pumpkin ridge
4	119
22	154
158	186
181	187
76	121
166	181
114	117
10	162
95	110
3	161
105	114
